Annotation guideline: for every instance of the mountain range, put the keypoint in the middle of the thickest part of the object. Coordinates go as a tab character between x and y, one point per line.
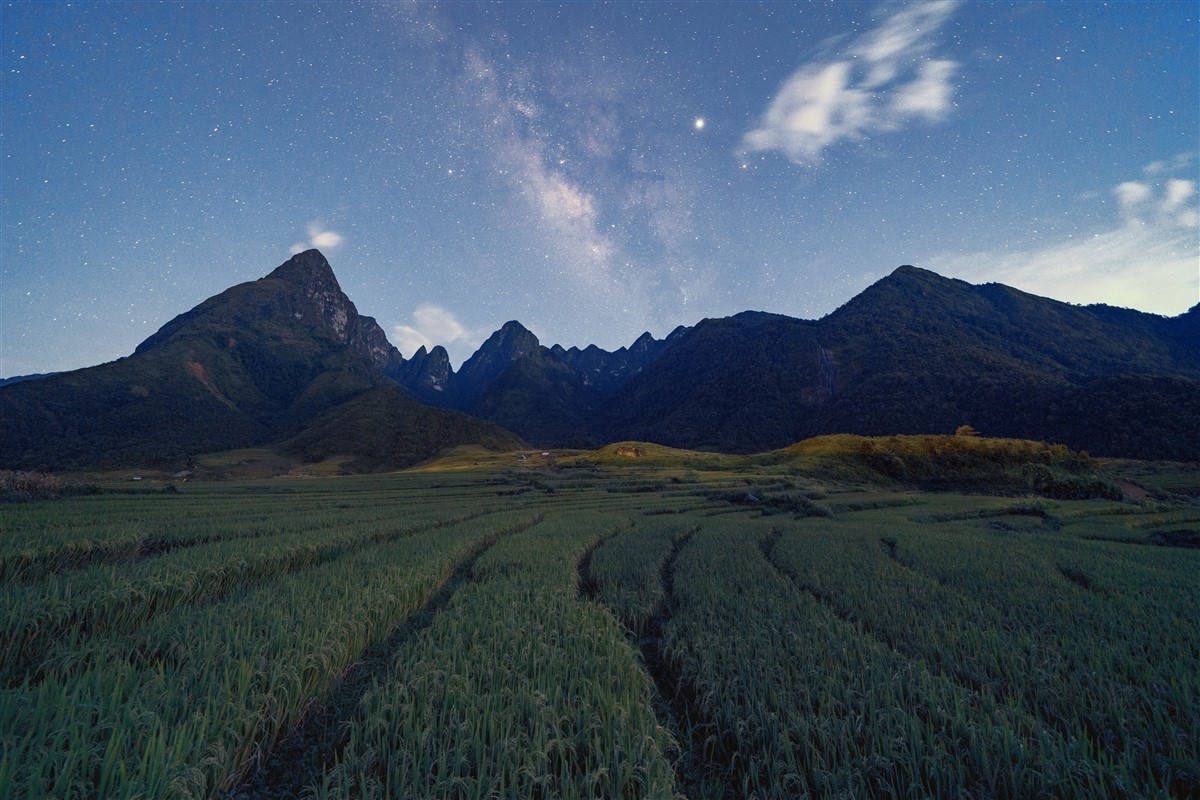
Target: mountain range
288	361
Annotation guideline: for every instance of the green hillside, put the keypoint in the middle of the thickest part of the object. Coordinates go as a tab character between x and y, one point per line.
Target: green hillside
385	429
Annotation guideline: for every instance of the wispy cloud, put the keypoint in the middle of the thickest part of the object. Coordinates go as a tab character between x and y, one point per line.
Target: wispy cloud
319	237
1169	205
880	81
1149	260
1176	163
431	325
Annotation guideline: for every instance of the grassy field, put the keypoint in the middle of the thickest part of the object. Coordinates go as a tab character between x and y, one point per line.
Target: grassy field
629	622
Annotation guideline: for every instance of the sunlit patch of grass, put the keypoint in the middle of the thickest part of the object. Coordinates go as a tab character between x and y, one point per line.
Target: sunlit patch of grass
473	457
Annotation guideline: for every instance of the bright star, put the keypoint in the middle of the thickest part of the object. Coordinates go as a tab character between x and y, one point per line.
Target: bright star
699	123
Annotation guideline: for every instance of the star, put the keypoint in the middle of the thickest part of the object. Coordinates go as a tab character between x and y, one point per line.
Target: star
699	123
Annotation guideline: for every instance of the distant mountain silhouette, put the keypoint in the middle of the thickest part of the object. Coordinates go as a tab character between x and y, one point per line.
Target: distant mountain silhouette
251	365
919	353
913	353
20	378
287	360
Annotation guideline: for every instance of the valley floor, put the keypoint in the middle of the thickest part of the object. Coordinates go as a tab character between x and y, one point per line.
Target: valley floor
575	628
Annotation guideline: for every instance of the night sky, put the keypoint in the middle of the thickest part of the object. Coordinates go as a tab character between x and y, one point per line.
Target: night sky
594	171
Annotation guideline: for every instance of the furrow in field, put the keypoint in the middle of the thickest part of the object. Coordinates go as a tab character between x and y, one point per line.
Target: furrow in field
1000	616
47	540
805	705
675	701
979	691
61	615
633	577
316	744
518	689
190	703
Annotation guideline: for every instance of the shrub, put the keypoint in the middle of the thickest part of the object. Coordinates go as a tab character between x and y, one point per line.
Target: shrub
23	486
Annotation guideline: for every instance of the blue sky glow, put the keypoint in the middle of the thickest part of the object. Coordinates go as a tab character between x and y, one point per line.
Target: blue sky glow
465	164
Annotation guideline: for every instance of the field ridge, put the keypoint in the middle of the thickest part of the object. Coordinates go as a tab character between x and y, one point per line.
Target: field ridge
315	745
94	616
672	700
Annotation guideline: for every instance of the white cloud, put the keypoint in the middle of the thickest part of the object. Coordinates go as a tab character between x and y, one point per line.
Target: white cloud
1149	261
432	325
902	33
1131	195
1174	164
438	323
327	239
409	340
928	95
319	237
1172	209
1177	193
884	79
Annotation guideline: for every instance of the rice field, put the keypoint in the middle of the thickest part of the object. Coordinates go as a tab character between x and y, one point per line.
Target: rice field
576	629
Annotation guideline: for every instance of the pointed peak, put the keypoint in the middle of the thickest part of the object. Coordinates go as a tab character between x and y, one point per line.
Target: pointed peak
645	339
421	353
307	268
512	336
679	331
909	272
909	281
512	326
438	353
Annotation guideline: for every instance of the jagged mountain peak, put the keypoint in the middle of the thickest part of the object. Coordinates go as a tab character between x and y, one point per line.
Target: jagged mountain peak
309	269
427	375
642	341
510	342
492	359
513	334
300	296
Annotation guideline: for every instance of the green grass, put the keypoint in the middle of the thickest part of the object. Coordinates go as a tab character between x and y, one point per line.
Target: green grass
618	625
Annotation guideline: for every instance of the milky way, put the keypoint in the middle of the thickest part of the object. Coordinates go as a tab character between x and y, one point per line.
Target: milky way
594	171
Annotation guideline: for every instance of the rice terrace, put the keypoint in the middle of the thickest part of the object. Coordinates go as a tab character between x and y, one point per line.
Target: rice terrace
848	617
